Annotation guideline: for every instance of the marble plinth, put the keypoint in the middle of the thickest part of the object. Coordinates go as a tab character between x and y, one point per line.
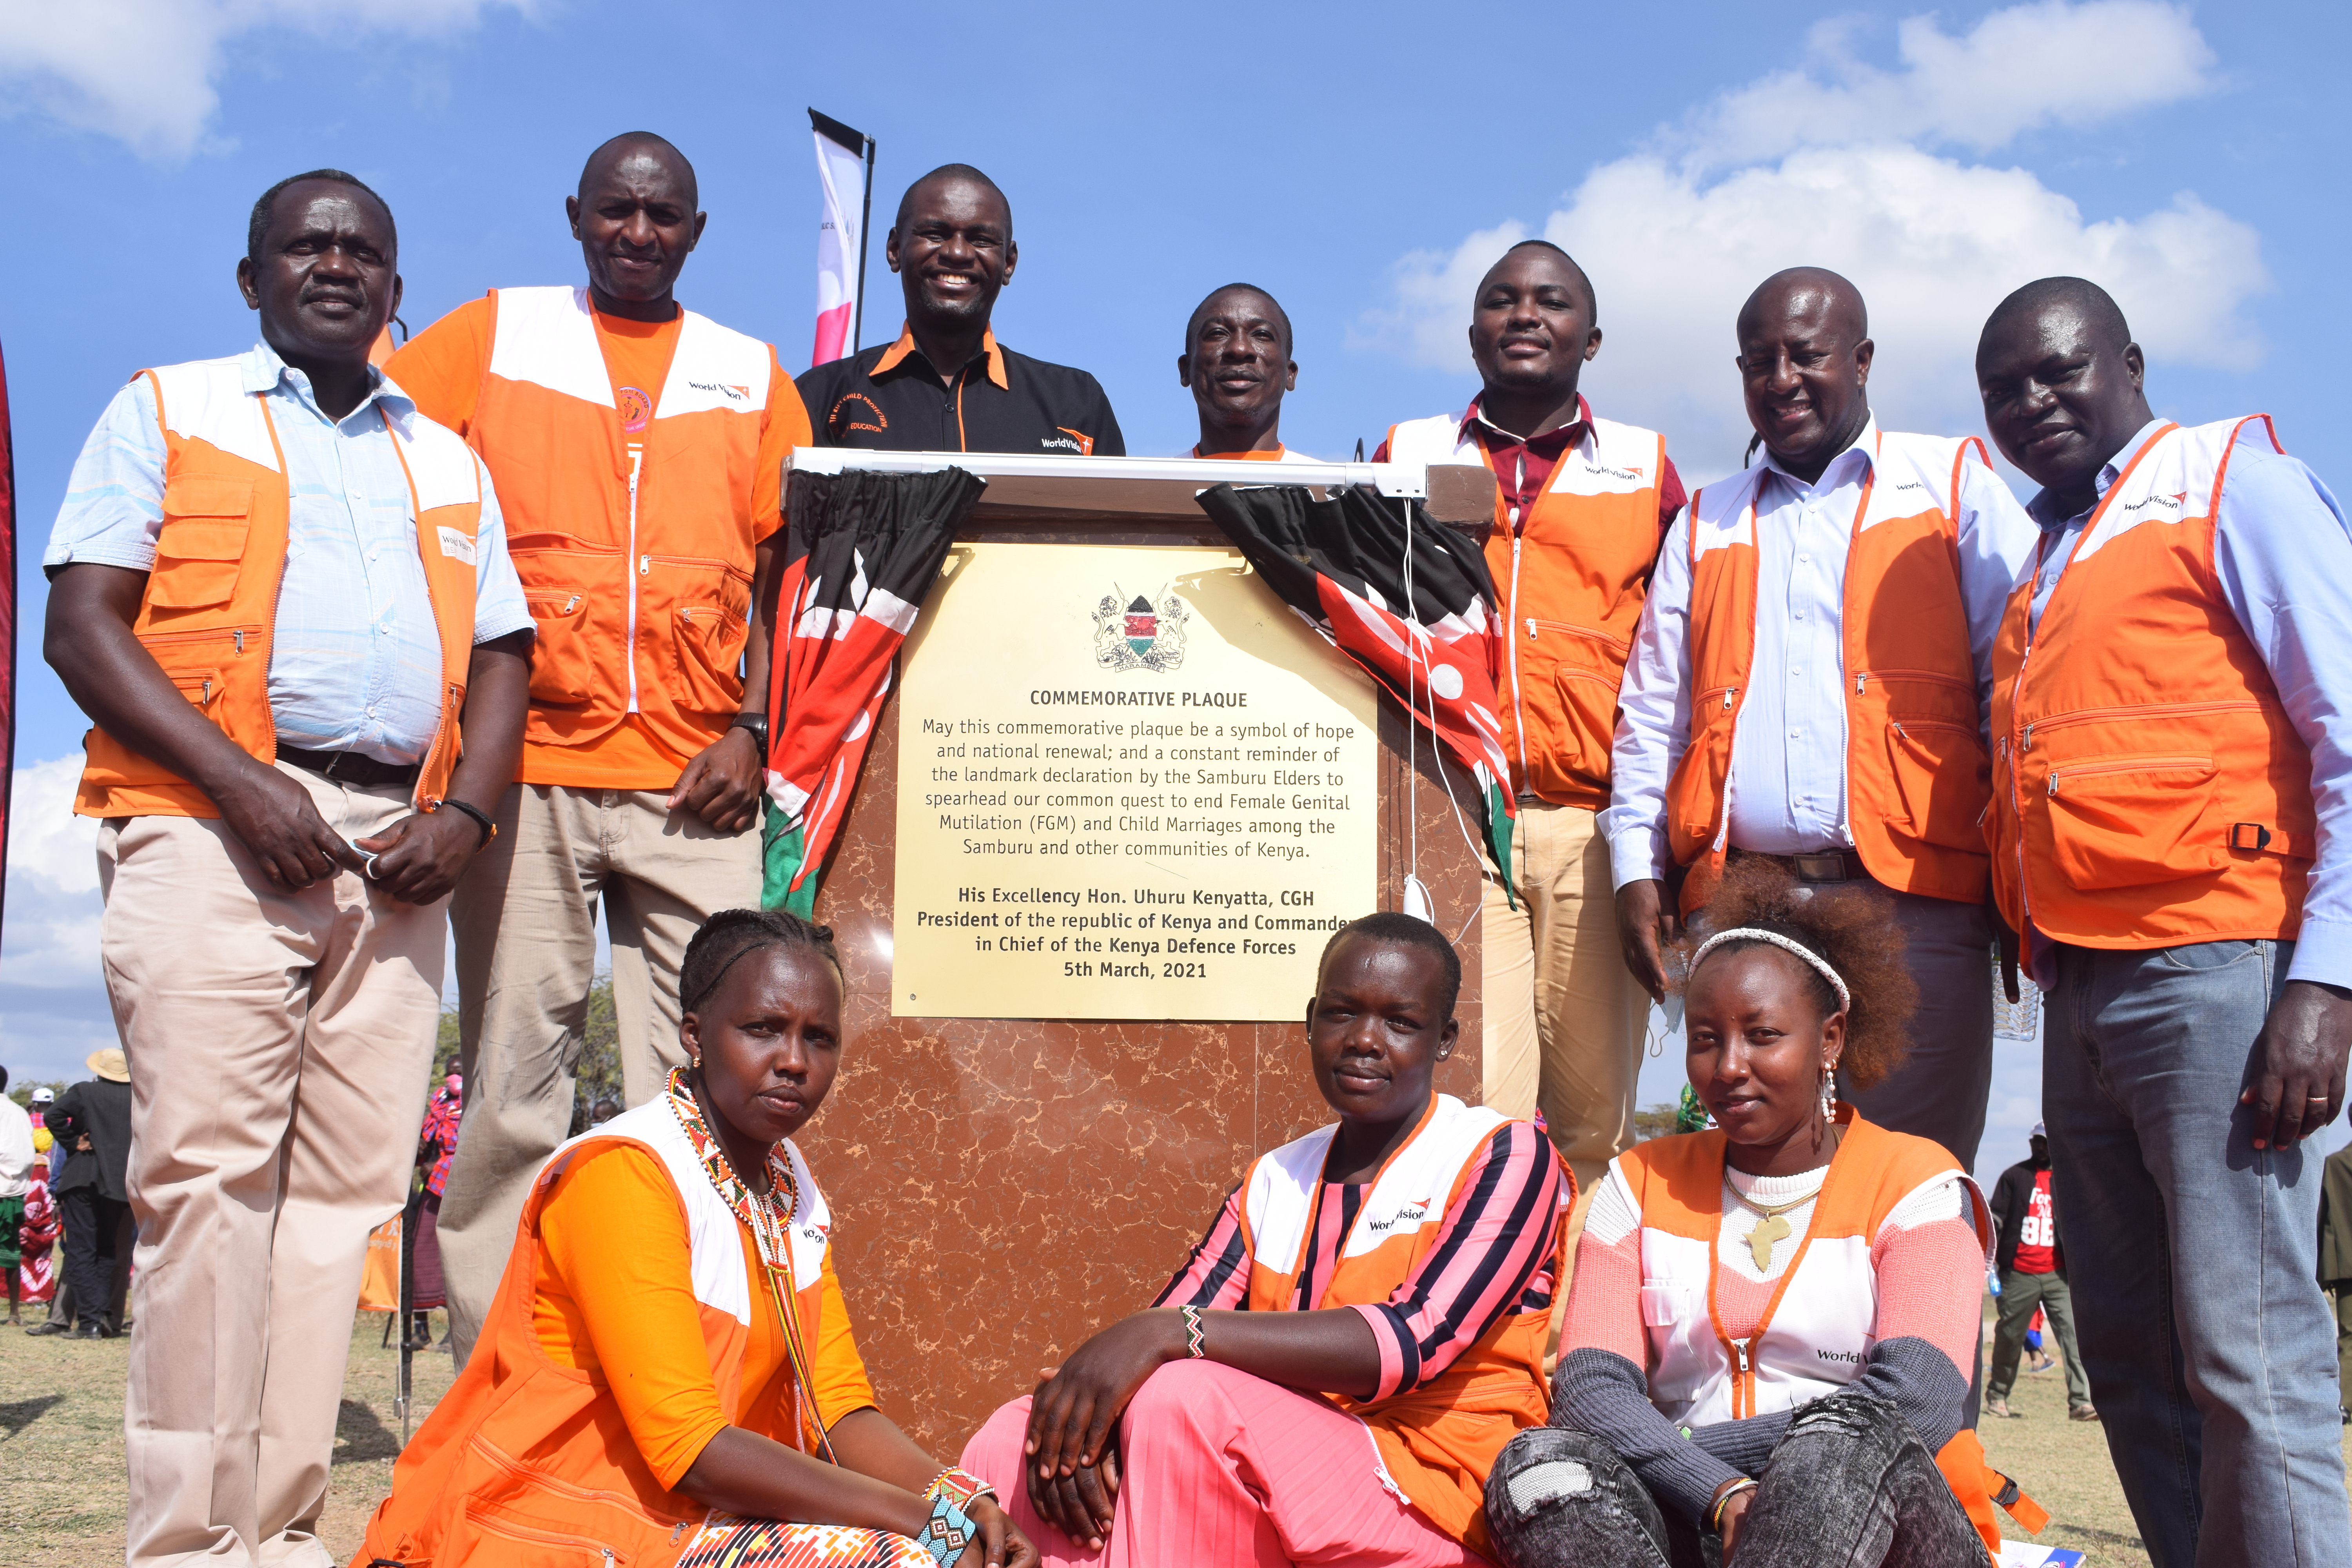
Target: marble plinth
1001	1188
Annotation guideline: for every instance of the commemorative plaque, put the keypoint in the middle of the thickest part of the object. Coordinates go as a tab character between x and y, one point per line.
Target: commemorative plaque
1149	793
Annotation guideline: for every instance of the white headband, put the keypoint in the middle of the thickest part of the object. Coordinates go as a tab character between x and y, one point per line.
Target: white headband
1786	944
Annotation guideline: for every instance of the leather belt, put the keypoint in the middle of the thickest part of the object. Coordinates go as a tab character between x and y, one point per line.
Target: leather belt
1823	865
350	767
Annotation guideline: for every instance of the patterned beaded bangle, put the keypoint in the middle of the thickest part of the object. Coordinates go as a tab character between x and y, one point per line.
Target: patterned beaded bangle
948	1531
959	1487
1196	1341
1714	1514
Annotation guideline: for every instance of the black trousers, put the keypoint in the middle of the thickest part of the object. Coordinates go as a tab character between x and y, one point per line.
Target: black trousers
91	1221
1847	1484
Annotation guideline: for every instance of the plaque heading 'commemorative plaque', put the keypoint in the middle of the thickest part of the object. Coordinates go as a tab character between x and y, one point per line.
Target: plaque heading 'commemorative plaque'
1132	785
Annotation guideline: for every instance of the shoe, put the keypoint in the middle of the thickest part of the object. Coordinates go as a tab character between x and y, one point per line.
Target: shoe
52	1327
91	1332
2044	1364
2001	1407
2082	1413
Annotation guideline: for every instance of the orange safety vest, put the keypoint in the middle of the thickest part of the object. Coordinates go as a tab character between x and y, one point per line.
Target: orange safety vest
2149	789
639	575
209	612
1915	776
1816	1332
1436	1442
526	1461
1572	582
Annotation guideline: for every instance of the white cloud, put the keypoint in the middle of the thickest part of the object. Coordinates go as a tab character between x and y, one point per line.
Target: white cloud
52	1008
1933	243
2022	69
143	71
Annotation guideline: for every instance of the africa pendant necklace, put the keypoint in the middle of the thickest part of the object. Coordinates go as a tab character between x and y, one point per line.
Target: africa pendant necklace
1772	1227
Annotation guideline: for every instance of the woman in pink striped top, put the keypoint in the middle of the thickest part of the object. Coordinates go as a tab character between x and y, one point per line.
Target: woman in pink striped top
1769	1341
1331	1373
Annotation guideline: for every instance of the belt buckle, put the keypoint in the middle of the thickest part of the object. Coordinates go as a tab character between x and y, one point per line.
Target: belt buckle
1824	867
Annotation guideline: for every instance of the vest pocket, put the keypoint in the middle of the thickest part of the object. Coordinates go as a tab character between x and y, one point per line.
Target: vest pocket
1695	795
1933	758
578	593
1568	677
2125	822
201	545
705	604
560	664
483	1538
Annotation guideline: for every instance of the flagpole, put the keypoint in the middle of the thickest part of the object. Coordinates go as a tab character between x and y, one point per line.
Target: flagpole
865	227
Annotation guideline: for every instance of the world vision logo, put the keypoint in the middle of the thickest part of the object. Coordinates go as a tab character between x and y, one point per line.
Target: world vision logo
866	414
1614	473
1070	440
1410	1215
732	394
2173	502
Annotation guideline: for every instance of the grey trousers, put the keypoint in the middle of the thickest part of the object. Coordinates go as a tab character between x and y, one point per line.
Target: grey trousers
1940	1091
2020	1294
1848	1486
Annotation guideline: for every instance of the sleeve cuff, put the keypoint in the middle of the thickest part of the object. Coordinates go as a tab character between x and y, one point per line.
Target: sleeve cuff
2323	953
1384	1335
489	628
1635	854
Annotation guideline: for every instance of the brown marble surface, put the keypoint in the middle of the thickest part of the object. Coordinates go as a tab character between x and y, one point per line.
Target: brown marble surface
1004	1187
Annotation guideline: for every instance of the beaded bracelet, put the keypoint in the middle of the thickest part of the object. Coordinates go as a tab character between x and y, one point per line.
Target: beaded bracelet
1196	1341
948	1531
1714	1514
959	1487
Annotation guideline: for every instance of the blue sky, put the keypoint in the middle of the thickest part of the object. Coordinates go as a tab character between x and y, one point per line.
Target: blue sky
1363	162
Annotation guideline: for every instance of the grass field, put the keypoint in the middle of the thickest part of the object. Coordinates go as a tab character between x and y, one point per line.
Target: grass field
61	1482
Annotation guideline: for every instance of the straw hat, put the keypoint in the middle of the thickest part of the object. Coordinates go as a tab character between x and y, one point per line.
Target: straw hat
110	1065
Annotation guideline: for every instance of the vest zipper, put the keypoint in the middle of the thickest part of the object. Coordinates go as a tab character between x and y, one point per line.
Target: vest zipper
1747	1383
637	462
1729	693
1518	713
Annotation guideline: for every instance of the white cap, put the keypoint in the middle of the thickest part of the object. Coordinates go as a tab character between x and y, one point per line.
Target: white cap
2037	1131
45	1097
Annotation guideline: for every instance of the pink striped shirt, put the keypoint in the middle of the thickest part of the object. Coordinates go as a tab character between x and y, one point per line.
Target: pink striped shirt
1492	1256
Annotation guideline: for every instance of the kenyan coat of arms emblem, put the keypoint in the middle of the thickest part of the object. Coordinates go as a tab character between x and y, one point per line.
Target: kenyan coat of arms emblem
1143	635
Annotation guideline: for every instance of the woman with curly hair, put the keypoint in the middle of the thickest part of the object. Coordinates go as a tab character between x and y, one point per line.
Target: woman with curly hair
666	1378
1772	1322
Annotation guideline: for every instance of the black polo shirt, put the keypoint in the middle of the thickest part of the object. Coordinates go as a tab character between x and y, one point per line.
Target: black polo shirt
892	400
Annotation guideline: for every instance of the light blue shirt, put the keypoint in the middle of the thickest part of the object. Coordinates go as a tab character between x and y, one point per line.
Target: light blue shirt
355	662
2284	555
1788	777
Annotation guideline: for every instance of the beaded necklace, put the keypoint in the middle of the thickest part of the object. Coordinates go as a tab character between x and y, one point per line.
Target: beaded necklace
769	1217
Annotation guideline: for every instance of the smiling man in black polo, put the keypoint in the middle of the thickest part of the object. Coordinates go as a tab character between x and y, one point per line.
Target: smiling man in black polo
947	385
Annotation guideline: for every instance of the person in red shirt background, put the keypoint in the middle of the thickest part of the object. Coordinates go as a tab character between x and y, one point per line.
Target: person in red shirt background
2032	1264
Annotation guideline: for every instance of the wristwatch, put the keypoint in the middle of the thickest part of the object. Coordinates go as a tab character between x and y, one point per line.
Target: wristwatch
757	723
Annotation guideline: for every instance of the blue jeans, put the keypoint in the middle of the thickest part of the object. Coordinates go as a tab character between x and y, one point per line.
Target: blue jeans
2193	1256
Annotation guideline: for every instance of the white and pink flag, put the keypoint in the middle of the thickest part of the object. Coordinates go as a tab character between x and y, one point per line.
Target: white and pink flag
844	167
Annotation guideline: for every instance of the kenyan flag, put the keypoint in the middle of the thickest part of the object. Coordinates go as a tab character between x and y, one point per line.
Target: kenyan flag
863	551
1341	564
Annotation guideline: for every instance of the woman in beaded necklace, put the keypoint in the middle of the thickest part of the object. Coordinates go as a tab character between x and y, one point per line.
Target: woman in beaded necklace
1773	1322
667	1375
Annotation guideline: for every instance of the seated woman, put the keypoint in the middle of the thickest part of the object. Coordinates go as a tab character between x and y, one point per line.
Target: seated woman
1773	1322
667	1375
1361	1331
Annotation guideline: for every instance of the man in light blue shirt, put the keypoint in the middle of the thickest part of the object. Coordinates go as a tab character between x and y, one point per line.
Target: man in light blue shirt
2175	843
1805	714
283	599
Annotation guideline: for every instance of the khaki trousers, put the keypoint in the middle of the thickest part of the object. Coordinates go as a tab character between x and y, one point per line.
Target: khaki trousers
279	1045
525	921
1563	1017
